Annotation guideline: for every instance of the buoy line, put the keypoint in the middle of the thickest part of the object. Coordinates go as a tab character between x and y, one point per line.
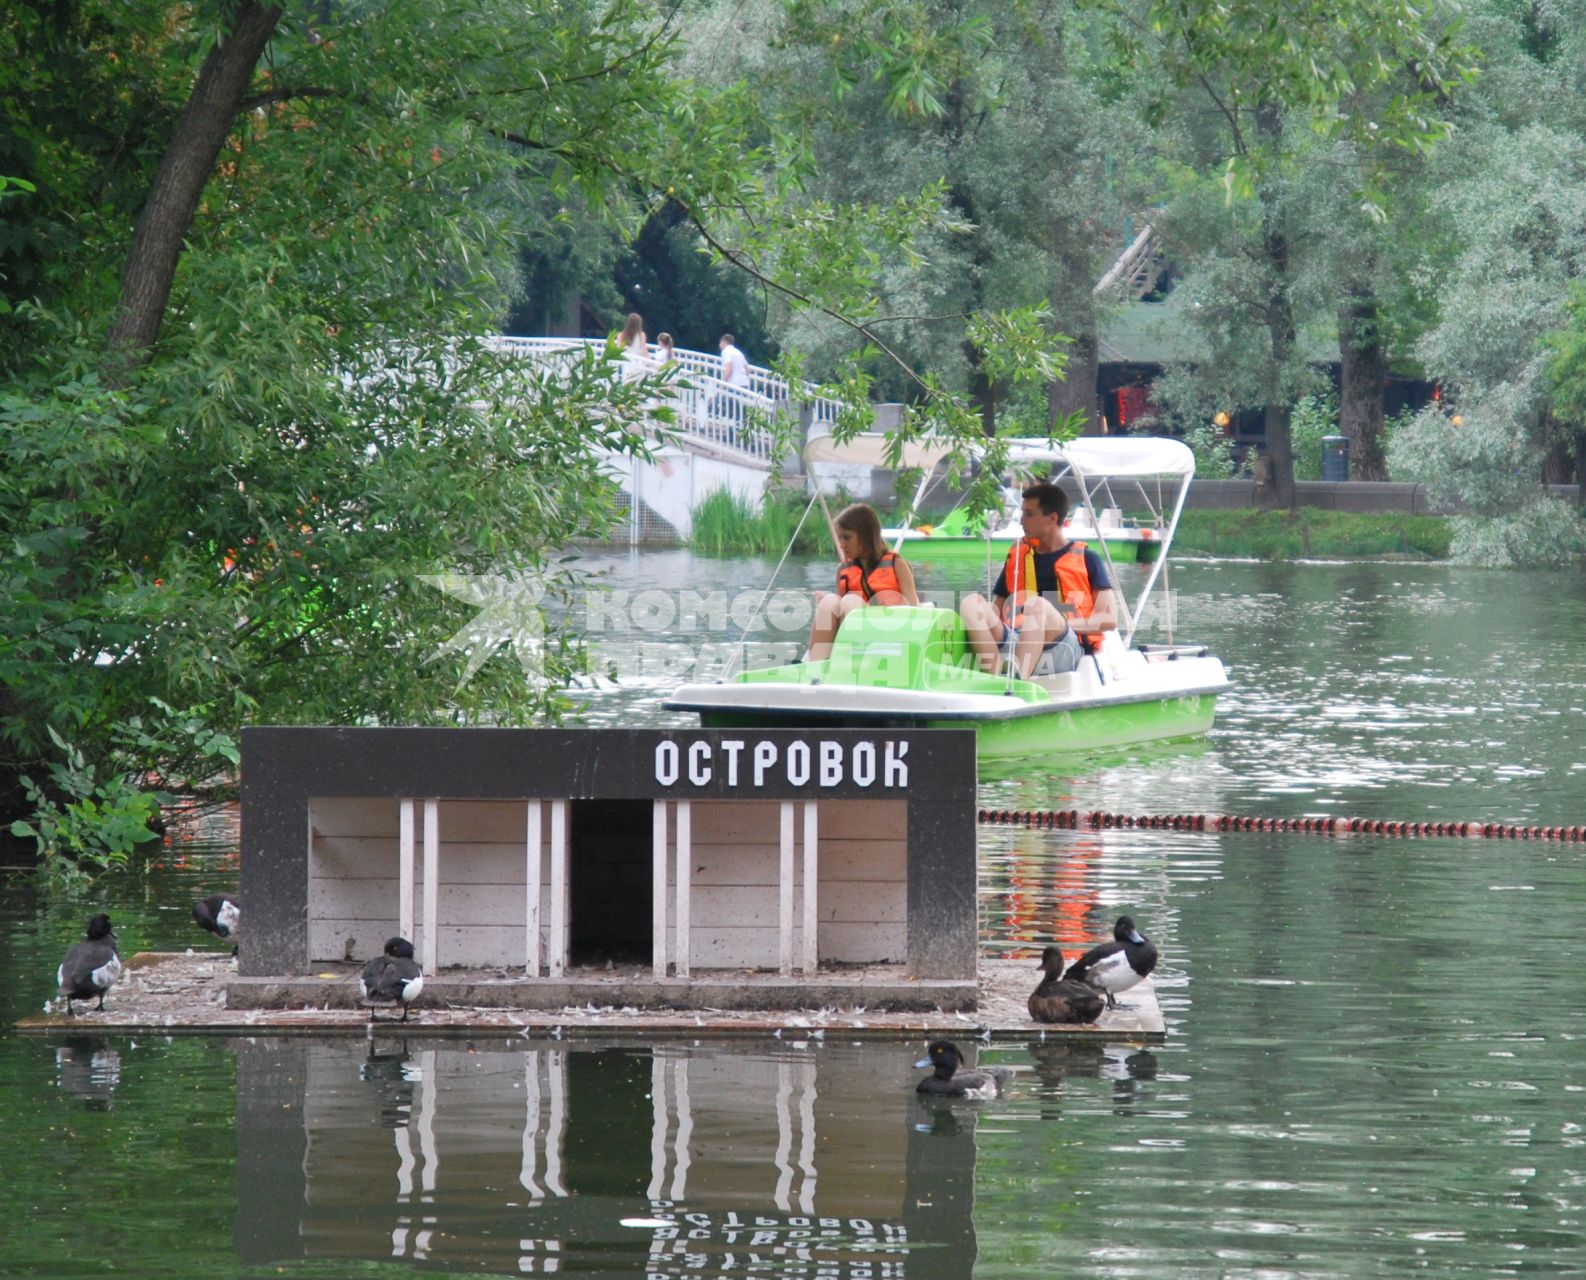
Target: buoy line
1097	820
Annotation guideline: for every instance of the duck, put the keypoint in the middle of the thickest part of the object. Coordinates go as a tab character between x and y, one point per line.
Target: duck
1114	967
91	967
1059	999
221	914
949	1082
392	977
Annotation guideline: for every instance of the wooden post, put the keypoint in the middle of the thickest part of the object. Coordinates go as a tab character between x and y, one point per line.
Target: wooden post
405	878
533	878
432	885
811	884
558	947
685	857
658	852
785	892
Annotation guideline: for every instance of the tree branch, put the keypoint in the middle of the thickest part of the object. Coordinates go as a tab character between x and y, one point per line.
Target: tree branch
185	168
745	265
258	100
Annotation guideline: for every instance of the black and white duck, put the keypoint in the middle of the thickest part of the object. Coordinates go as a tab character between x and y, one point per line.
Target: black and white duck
1060	999
947	1081
393	977
92	966
221	914
1114	967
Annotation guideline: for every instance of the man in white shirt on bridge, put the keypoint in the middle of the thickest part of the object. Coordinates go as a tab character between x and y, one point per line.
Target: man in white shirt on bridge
735	373
734	365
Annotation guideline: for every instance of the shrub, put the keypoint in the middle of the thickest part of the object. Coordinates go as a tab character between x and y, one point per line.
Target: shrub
1214	452
1312	418
1544	532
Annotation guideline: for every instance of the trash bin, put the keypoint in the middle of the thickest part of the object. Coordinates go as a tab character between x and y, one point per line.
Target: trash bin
1335	457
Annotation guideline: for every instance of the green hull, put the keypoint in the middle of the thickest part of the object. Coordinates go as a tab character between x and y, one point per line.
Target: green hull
924	651
1063	732
940	549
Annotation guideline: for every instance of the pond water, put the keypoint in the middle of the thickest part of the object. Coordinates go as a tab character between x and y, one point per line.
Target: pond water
1376	1051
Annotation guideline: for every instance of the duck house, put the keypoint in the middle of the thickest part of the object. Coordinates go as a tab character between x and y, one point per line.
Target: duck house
757	868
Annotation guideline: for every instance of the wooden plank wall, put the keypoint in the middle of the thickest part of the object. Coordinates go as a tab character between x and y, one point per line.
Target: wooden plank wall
862	892
352	880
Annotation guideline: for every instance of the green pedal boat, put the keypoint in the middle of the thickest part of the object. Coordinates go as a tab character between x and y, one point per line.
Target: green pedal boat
912	667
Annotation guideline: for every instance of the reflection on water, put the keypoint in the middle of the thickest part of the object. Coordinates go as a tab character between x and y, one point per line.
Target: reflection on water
88	1068
665	1160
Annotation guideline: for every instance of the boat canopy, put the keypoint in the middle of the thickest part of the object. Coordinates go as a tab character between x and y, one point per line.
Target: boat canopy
1095	461
1095	456
1117	456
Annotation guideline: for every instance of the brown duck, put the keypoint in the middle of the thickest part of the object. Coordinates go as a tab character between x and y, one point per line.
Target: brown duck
1059	999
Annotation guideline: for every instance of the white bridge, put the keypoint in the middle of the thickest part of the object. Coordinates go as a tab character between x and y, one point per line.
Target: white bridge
722	436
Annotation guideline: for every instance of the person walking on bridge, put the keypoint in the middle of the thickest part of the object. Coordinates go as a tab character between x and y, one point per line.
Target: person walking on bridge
735	373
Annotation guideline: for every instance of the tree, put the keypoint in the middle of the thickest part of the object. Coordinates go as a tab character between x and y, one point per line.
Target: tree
1509	200
1259	97
963	104
1566	375
229	467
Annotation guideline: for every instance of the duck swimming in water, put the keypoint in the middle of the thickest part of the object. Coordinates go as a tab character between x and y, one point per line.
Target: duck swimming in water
393	977
1116	966
1060	999
949	1082
221	914
92	966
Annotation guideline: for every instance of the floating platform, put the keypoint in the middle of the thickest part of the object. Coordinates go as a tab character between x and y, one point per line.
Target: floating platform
202	992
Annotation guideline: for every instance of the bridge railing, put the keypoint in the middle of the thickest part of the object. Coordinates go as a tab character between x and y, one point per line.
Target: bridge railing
709	410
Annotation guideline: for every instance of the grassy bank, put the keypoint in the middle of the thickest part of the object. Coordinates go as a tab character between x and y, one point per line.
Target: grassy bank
1311	531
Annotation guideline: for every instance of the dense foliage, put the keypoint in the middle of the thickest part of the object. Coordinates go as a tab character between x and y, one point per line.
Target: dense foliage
230	520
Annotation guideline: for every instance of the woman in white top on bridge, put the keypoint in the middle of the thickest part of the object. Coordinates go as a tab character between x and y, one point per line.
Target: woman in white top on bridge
635	347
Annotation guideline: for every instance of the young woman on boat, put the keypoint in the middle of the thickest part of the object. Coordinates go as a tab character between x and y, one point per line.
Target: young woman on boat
870	574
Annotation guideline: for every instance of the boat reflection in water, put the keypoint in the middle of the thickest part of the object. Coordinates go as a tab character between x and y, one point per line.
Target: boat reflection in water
635	1160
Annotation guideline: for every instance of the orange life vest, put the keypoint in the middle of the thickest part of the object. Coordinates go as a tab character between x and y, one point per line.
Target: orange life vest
1073	584
884	577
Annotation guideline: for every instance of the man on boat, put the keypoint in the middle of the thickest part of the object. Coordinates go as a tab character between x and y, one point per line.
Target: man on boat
1065	611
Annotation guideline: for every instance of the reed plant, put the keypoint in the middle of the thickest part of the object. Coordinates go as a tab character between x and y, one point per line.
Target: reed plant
725	524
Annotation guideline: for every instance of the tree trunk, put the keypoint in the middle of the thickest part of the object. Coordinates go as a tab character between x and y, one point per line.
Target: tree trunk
982	391
1275	490
1363	371
189	159
1559	462
1278	491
